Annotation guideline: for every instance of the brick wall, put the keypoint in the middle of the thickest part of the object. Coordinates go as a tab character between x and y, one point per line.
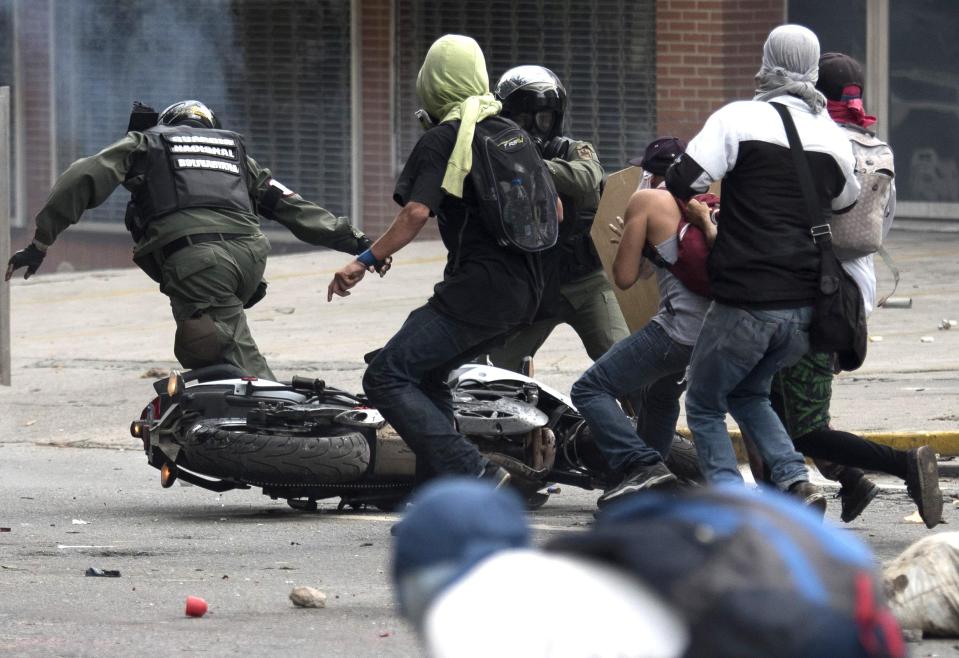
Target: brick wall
376	114
707	52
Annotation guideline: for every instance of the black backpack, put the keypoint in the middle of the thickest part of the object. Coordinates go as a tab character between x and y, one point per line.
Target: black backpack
516	195
753	575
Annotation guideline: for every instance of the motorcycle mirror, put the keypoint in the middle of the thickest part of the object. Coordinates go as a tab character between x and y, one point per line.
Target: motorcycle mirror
174	384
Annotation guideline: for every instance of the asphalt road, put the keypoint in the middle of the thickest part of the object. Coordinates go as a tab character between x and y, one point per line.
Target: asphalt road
240	551
82	345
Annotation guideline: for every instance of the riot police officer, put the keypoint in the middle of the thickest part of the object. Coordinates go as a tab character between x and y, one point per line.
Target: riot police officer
195	197
579	294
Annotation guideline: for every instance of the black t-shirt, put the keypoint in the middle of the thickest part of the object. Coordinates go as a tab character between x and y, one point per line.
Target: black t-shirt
483	283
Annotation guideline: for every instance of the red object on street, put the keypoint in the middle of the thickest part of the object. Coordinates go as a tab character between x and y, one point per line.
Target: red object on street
195	606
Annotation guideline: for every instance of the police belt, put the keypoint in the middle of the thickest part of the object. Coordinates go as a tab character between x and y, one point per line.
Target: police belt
174	246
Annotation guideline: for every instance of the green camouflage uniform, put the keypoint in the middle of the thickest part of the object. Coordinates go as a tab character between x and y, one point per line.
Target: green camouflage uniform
586	299
207	283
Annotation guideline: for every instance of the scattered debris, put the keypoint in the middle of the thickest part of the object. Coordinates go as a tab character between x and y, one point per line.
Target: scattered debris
103	573
945	325
155	373
79	522
308	597
912	635
913	518
195	606
922	585
898	302
927	339
875	339
294	543
285	310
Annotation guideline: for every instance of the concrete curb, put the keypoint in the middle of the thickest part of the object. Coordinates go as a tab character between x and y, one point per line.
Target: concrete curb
945	443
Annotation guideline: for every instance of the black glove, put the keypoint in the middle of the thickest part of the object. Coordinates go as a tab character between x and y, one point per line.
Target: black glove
257	295
31	258
558	147
383	266
363	243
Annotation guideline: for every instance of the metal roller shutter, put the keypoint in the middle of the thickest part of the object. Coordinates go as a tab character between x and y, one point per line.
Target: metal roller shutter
604	52
277	71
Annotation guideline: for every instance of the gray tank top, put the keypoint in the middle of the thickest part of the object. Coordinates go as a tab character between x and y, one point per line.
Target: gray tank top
681	312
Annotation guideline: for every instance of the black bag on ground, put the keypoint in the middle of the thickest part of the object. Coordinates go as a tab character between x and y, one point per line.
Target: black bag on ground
839	315
517	197
751	574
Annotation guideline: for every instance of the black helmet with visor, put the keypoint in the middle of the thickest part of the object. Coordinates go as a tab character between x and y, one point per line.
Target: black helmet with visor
189	113
533	97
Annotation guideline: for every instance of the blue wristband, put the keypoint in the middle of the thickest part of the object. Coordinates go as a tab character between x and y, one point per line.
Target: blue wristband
367	258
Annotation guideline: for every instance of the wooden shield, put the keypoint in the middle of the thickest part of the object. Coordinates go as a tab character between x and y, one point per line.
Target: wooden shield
640	302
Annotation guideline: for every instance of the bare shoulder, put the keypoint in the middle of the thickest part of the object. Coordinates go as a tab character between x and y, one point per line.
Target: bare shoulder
654	199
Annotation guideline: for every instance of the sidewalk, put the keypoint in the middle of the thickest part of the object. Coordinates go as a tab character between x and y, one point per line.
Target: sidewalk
83	341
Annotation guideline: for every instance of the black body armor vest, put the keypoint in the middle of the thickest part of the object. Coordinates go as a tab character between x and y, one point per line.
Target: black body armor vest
579	254
187	167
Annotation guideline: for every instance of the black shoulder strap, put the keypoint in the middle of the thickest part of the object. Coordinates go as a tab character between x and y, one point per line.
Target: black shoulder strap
821	233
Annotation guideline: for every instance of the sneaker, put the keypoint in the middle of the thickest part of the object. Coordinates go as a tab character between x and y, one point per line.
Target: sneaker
810	495
496	475
854	499
640	478
922	483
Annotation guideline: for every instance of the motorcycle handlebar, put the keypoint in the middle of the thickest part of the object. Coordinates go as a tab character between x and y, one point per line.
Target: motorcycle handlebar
307	384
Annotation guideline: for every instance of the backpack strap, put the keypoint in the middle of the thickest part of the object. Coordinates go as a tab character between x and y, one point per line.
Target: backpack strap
821	232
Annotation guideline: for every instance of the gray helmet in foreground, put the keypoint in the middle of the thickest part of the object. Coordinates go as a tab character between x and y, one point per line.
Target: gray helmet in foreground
189	113
533	97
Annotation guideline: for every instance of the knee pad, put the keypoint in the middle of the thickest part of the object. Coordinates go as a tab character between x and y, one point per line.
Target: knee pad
198	343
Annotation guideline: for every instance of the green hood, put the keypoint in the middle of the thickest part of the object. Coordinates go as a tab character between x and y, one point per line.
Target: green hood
453	84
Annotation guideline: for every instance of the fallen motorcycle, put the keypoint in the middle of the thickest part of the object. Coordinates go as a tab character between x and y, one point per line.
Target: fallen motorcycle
304	441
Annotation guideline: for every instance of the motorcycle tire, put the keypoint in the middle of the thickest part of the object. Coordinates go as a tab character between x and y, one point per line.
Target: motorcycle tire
683	460
259	458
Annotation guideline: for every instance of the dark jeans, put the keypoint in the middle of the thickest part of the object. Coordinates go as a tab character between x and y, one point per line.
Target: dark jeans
406	382
731	370
647	362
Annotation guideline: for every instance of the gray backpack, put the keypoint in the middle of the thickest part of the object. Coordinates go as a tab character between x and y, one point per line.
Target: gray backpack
860	231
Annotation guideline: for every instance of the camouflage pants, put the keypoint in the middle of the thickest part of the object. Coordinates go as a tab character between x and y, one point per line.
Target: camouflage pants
801	394
207	284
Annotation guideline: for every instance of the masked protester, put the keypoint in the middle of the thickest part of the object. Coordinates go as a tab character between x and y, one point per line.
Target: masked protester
487	289
578	292
801	393
195	197
764	266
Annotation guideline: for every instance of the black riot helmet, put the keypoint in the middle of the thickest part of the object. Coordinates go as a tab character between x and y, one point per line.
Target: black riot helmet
189	113
533	97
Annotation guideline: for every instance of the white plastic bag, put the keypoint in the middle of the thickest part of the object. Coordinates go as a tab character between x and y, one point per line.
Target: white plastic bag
922	585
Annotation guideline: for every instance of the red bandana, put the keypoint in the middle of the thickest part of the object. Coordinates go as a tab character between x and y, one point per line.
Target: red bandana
850	109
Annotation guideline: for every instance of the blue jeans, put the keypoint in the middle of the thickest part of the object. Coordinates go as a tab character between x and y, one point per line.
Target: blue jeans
406	382
650	363
731	369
